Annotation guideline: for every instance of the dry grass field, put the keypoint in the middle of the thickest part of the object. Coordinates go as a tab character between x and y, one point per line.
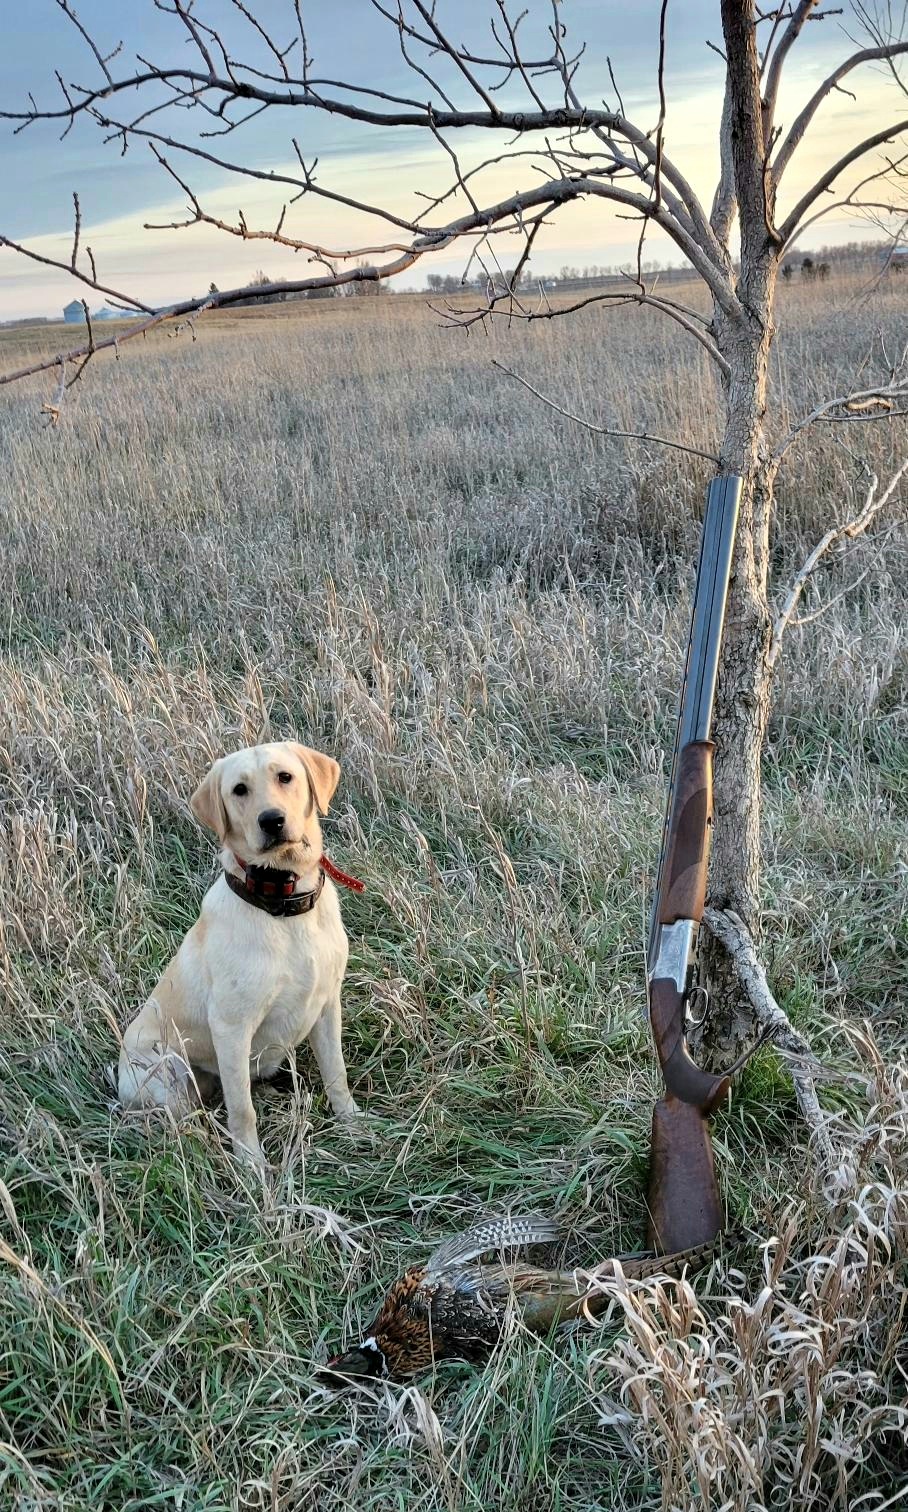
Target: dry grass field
342	522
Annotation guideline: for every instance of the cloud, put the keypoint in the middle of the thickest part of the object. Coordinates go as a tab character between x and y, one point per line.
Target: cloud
381	165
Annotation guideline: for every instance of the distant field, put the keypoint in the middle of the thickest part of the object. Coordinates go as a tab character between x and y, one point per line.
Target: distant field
340	521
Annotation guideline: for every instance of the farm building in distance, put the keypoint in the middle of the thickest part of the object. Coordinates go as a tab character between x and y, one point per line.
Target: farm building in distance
74	314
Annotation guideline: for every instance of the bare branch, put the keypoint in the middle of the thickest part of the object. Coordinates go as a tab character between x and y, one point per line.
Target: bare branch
690	320
554	192
242	230
76	231
67	267
455	55
560	191
272	46
836	533
731	931
860	405
524	256
455	160
792	224
102	61
223	299
724	201
183	11
693	321
799	127
854	199
312	97
89	351
515	55
536	65
605	430
799	16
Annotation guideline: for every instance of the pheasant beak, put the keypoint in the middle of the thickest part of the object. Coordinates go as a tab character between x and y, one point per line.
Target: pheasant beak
364	1362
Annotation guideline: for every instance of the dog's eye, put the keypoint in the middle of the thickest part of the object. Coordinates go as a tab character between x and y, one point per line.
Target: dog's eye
240	790
285	777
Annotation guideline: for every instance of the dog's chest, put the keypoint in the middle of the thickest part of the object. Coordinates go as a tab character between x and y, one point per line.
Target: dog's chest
300	968
279	972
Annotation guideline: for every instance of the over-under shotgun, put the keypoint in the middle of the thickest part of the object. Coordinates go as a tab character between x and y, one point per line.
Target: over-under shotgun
684	1205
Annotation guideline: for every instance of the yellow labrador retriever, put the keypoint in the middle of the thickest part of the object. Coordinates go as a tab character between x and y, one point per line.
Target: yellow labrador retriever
261	970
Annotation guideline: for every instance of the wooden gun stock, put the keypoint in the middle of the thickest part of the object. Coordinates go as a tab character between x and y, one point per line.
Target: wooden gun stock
683	890
683	1078
683	1198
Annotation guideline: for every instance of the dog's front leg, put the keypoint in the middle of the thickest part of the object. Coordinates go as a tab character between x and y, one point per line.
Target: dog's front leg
325	1039
232	1046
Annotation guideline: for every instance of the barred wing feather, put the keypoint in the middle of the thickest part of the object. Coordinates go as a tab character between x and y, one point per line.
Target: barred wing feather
507	1232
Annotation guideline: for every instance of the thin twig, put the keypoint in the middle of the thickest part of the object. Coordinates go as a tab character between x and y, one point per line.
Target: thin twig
92	282
76	231
606	430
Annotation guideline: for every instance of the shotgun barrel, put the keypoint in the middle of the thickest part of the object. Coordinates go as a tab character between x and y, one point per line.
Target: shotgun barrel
680	894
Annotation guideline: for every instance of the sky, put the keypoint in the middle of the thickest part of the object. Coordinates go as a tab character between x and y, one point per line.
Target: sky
349	40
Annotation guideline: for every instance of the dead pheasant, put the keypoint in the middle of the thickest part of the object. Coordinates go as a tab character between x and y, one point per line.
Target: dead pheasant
454	1306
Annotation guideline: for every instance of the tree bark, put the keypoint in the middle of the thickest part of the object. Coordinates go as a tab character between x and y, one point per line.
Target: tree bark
742	702
743	692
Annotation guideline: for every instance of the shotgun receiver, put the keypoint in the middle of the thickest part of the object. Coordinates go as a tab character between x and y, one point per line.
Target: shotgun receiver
684	1206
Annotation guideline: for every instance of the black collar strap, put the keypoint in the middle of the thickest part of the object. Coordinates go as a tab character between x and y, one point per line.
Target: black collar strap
273	891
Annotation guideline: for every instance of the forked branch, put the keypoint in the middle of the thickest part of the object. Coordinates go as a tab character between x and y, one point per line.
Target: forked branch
734	936
849	531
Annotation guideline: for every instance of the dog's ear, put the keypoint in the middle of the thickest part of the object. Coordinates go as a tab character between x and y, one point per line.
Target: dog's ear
323	773
208	805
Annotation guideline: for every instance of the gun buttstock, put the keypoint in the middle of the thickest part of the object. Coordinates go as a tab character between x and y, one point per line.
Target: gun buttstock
683	1078
683	1197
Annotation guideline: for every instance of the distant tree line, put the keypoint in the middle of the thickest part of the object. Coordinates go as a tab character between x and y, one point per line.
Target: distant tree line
850	257
502	280
451	283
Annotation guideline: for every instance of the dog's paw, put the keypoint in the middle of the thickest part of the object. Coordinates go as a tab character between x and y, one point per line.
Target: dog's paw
250	1155
350	1111
358	1128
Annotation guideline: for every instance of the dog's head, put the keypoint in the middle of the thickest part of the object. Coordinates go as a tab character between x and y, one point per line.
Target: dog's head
263	803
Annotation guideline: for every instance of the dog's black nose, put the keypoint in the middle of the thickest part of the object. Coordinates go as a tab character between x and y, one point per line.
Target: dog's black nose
272	821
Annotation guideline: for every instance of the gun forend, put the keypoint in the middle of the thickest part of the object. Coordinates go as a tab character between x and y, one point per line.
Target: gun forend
682	889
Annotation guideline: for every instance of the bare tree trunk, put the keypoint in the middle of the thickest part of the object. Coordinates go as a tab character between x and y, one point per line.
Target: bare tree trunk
743	694
742	704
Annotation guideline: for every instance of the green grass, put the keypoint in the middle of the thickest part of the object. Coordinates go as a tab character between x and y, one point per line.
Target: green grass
364	537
